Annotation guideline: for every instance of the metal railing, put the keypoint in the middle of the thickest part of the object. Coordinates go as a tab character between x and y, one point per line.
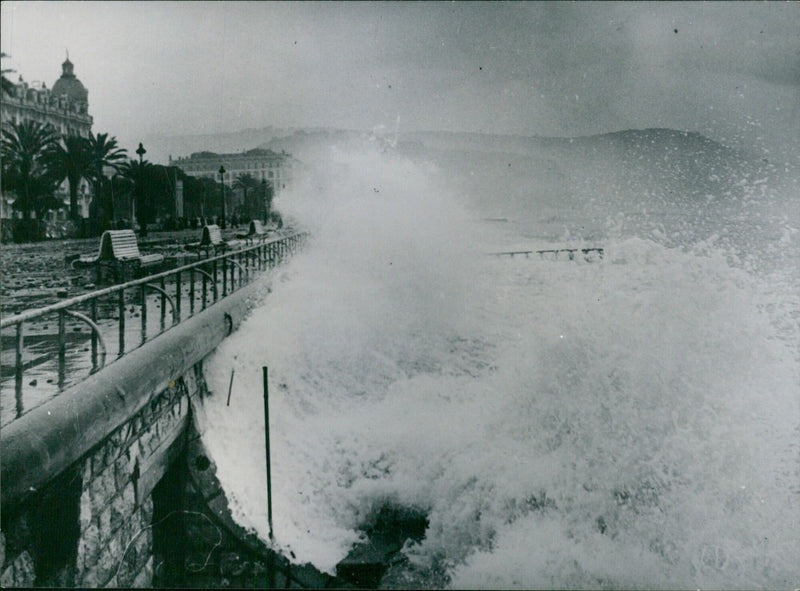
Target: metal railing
108	311
553	253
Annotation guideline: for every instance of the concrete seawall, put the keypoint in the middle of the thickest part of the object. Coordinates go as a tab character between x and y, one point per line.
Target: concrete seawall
79	473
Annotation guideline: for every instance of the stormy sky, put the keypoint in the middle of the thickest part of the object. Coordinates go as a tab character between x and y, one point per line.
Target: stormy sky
729	70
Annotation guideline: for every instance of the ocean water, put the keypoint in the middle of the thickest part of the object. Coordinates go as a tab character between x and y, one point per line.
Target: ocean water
629	422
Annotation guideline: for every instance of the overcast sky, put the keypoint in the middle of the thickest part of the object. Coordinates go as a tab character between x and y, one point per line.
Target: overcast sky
729	70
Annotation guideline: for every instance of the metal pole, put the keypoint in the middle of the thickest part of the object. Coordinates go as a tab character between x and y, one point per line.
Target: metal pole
18	367
178	295
230	386
205	280
222	182
266	434
94	335
140	189
225	277
214	274
163	304
62	348
191	292
121	323
144	313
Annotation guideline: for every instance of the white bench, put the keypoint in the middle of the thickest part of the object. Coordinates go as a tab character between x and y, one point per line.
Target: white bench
255	231
119	257
211	239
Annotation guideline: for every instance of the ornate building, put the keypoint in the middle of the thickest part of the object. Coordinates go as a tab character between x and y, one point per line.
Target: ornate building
65	107
260	163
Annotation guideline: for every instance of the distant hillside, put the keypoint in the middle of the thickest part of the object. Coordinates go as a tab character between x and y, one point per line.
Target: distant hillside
160	148
644	168
304	143
674	185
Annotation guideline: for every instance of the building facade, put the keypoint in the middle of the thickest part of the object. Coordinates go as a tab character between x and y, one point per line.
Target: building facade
260	163
65	107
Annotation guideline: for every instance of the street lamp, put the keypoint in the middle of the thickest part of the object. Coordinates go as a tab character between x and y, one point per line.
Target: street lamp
141	151
222	180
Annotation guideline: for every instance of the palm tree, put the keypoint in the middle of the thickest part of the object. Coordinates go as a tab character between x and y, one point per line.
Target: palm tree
8	86
24	150
104	151
71	160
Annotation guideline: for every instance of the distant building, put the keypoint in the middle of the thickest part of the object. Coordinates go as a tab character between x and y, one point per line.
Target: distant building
260	163
66	108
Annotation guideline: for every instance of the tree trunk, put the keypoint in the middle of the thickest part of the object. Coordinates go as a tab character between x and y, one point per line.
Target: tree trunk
26	204
74	215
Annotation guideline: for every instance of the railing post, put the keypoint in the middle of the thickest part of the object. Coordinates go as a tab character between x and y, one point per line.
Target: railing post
225	276
94	334
162	285
121	323
250	259
144	313
191	292
205	287
178	296
62	348
18	369
214	275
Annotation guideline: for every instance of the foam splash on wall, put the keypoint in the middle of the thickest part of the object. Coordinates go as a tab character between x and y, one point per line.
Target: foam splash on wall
552	419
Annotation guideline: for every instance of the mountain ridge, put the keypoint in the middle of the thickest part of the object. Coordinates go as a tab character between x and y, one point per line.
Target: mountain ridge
162	147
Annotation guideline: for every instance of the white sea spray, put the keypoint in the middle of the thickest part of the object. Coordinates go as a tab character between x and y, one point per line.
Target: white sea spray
624	423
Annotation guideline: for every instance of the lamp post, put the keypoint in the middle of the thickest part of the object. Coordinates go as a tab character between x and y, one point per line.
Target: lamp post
222	180
141	152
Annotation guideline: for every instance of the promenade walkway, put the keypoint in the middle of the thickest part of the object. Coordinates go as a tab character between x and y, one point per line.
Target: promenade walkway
46	349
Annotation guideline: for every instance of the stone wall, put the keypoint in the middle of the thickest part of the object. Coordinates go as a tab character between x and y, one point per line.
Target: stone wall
104	502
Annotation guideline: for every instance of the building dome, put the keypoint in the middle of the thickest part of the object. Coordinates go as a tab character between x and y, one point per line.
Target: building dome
69	85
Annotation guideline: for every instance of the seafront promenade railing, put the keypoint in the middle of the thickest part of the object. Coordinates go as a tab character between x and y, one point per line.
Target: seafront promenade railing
589	254
130	314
